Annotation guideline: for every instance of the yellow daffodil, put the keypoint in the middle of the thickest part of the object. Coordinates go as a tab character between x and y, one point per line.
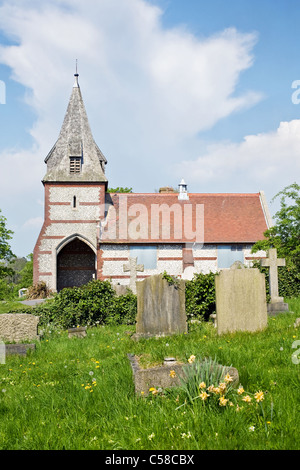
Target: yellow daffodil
191	359
202	385
172	374
259	396
223	401
240	390
228	378
247	399
204	396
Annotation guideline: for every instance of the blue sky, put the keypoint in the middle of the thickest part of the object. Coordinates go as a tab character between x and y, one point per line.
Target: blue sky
173	89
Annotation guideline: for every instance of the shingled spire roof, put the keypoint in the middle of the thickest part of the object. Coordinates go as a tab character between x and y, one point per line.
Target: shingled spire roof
75	156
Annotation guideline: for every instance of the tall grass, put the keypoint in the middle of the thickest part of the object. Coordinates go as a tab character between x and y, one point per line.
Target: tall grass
79	393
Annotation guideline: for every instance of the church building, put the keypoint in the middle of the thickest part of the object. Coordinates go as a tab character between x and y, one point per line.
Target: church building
89	233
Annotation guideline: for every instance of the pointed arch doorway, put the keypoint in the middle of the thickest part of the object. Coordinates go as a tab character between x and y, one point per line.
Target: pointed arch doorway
76	264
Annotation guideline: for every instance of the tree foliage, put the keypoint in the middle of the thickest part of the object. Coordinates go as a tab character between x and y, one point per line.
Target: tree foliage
285	234
6	254
119	189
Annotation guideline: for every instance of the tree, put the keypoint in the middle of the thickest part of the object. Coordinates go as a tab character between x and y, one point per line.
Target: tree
26	273
285	234
6	255
119	189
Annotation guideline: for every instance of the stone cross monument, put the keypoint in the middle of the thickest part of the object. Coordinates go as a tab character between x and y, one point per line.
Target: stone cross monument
272	262
133	268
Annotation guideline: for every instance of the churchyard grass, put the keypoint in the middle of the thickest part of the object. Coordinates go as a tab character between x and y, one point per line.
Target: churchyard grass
79	393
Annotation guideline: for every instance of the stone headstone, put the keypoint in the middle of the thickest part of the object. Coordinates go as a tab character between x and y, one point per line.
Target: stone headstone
272	262
241	300
237	265
132	267
160	307
18	327
120	289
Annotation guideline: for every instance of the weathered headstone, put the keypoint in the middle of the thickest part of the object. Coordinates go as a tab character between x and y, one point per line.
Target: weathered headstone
18	327
272	262
241	300
237	265
132	267
120	289
160	307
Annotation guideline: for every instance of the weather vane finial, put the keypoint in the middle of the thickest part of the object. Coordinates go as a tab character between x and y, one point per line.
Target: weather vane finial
76	84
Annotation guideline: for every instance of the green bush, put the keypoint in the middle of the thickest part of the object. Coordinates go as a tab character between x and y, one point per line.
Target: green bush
200	297
92	304
288	280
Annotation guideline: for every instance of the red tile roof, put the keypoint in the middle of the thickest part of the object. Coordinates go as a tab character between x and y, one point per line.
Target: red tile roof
228	218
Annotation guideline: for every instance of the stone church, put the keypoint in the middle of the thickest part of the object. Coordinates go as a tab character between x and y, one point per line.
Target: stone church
89	233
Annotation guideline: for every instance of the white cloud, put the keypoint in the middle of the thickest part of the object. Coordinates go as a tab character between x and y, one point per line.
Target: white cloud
147	89
33	223
168	82
268	160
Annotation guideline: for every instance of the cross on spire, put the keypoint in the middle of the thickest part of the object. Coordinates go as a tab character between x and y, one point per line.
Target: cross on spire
76	75
133	268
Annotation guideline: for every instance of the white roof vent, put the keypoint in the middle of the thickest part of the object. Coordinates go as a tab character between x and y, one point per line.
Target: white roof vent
183	194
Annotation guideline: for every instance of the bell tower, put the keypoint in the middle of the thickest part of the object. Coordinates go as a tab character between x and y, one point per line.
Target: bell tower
65	254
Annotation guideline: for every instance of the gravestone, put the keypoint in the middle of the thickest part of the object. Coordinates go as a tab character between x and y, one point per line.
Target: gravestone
272	262
120	289
18	327
237	265
132	267
240	300
160	307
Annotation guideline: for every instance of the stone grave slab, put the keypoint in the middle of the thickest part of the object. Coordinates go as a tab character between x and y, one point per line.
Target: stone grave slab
240	300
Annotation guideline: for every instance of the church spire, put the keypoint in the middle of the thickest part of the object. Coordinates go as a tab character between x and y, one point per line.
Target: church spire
75	155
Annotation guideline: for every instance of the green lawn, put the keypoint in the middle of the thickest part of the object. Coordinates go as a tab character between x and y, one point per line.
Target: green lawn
79	393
